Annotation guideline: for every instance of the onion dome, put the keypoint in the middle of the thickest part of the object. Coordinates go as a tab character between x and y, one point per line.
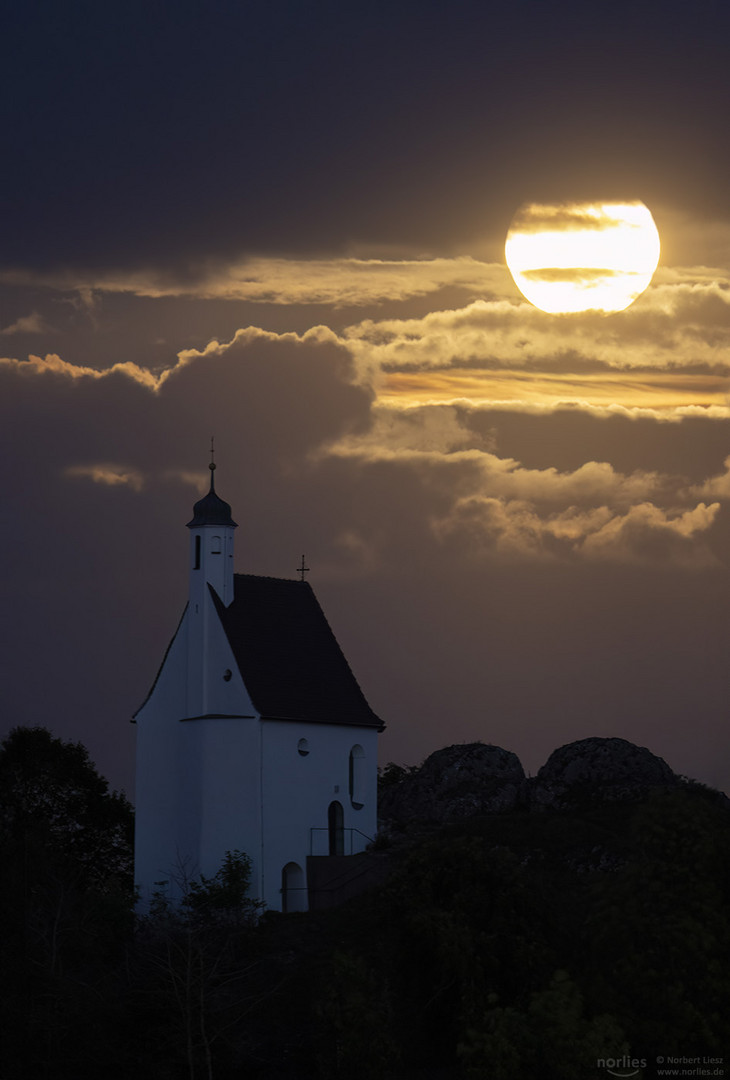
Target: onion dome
211	509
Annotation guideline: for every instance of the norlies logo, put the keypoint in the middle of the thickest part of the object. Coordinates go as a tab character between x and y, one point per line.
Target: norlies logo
624	1066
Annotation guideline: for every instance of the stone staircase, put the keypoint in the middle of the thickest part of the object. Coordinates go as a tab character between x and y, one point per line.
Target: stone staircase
333	879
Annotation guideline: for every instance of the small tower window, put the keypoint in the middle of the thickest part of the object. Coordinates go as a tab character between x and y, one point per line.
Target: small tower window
215	545
357	777
303	747
196	560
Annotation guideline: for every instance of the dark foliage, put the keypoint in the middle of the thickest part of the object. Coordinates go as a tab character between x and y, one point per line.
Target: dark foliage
524	945
66	902
194	975
509	947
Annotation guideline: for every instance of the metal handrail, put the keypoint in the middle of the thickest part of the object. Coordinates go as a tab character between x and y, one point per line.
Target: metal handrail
350	830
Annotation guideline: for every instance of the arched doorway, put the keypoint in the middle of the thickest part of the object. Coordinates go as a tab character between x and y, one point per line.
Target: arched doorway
293	888
336	828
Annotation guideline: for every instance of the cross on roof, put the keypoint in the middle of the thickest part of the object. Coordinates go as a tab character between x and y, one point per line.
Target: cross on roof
303	569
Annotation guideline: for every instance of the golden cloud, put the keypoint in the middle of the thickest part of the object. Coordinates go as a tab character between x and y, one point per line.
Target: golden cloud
440	440
645	533
500	508
658	392
505	355
508	354
109	474
27	324
593	511
669	332
572	273
716	487
336	282
497	350
52	364
566	217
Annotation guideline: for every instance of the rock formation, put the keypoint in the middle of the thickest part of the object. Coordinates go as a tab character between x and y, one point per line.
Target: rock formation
597	770
471	779
455	783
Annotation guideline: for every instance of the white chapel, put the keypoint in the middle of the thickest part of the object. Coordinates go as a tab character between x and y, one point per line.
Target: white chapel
255	735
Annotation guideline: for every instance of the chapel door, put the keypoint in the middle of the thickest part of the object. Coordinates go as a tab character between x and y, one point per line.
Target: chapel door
336	828
293	888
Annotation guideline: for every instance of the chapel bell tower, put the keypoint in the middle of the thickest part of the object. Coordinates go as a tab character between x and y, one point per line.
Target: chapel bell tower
211	548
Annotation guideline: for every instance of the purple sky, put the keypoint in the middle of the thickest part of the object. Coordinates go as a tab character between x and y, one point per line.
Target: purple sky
284	225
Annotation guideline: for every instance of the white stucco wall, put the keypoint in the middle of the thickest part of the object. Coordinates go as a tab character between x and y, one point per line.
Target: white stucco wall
297	791
210	658
230	779
160	772
197	784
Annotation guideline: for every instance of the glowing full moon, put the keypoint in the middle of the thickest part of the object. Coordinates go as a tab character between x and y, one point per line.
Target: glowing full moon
582	256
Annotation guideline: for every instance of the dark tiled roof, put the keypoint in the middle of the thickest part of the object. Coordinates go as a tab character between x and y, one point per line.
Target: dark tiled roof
288	656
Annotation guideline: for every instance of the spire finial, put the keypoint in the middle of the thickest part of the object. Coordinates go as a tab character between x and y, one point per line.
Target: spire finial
303	569
211	509
212	462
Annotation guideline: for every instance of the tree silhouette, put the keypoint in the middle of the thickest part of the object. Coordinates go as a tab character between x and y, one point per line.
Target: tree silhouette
66	903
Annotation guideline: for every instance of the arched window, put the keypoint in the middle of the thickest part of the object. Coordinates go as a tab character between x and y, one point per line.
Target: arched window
293	888
215	545
303	747
336	828
196	559
357	777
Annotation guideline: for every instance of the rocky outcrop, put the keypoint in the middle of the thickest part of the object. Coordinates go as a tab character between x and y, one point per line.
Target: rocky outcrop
453	784
599	770
471	779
